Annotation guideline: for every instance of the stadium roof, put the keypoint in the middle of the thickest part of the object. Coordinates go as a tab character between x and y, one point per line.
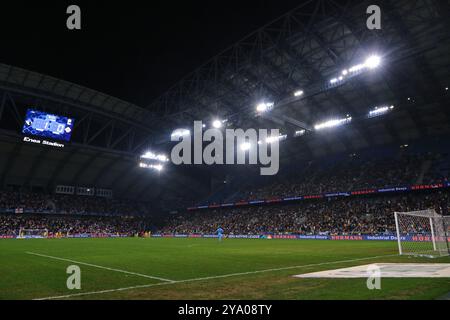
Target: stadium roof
21	80
110	132
302	50
306	48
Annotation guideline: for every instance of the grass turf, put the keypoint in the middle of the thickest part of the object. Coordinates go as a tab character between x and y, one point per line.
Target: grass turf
25	276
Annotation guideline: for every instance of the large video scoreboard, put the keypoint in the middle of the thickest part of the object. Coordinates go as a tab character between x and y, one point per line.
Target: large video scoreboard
46	125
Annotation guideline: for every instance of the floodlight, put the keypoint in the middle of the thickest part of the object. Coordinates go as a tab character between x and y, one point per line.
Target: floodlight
261	107
378	111
299	133
356	68
157	157
180	133
336	80
217	124
264	107
332	123
273	139
373	62
298	93
157	167
162	158
148	155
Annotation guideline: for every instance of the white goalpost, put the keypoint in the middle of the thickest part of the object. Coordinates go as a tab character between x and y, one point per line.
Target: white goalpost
422	233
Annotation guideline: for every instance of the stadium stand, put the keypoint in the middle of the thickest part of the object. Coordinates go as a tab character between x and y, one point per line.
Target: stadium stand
375	168
10	225
32	202
366	215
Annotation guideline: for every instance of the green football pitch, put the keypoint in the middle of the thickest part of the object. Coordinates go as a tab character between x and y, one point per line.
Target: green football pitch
169	268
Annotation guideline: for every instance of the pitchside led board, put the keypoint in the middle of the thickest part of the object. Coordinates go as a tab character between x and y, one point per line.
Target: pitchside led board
47	126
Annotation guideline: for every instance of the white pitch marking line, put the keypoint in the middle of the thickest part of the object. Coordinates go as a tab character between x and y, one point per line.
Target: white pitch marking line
211	278
100	267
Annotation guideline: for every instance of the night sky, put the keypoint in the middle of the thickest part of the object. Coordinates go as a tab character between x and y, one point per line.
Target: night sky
134	50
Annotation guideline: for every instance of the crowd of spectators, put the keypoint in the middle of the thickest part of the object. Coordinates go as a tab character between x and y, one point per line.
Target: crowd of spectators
11	224
70	204
359	215
340	216
355	215
350	175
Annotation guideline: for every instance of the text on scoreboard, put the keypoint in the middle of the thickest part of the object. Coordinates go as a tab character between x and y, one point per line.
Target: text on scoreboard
46	125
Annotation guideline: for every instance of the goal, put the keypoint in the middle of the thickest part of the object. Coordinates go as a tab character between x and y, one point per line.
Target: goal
422	233
32	233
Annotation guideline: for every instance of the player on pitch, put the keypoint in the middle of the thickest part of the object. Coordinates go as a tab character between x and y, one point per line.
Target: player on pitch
219	232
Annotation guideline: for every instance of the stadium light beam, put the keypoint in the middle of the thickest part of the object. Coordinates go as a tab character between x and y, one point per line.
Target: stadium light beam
373	62
298	93
356	68
264	107
273	139
332	123
156	157
334	80
157	167
217	124
180	133
379	111
148	155
299	133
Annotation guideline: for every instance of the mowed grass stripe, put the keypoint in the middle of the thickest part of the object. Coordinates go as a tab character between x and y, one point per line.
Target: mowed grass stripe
215	277
100	267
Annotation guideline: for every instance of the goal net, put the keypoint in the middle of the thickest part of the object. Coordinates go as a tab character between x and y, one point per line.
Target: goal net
422	233
32	233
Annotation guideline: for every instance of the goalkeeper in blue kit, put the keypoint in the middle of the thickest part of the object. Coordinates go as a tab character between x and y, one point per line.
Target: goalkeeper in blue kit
219	232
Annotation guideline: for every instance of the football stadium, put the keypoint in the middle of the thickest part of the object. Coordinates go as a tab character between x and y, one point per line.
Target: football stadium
307	160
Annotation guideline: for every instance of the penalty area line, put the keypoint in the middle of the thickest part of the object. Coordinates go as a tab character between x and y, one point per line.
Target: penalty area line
211	277
99	267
